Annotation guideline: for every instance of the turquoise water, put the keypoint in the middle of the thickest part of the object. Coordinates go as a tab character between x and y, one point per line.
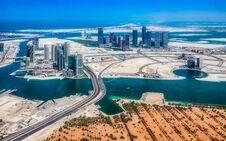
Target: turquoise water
41	89
188	90
199	36
190	74
209	30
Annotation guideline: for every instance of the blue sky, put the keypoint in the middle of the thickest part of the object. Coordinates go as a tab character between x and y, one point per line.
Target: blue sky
108	10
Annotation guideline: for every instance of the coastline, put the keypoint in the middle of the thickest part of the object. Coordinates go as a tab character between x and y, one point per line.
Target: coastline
213	78
16	50
208	78
170	102
161	102
12	60
137	77
52	78
47	78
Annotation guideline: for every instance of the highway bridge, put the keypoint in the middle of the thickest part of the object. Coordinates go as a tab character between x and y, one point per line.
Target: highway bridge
98	92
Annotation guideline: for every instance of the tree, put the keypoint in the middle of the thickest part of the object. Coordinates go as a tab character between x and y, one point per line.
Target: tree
84	139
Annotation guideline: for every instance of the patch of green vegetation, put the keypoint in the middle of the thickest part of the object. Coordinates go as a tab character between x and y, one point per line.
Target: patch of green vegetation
84	139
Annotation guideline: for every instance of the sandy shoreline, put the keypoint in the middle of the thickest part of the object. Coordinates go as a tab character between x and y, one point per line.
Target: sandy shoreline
193	103
210	77
147	97
137	77
47	78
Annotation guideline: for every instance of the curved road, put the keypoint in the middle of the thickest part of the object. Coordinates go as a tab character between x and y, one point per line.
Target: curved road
139	52
98	92
221	61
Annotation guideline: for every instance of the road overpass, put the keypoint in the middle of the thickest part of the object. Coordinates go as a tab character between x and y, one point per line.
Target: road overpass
98	92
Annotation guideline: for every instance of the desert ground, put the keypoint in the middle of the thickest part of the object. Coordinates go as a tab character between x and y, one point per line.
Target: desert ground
154	65
142	122
17	113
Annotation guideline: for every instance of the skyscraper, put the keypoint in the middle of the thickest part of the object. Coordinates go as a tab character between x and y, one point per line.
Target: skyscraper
27	61
144	35
32	57
31	52
57	47
111	37
53	53
75	63
79	65
1	47
66	51
127	39
119	42
157	39
125	43
72	62
199	63
60	59
114	41
28	50
149	39
165	36
106	40
35	42
100	36
46	52
135	37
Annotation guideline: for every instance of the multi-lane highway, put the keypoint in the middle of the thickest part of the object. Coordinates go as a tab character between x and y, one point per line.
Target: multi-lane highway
98	92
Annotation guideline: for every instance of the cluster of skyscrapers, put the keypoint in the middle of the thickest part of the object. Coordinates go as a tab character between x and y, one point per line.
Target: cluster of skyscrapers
154	39
59	56
121	42
149	39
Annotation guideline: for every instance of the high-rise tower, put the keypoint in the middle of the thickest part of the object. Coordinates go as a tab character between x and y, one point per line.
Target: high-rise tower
100	36
46	52
135	37
144	35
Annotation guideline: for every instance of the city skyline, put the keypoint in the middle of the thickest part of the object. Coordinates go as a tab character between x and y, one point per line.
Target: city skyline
148	70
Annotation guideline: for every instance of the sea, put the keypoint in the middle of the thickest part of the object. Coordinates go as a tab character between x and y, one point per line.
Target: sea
188	90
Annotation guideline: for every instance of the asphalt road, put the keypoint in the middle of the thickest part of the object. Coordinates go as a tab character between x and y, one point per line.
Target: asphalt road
98	92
